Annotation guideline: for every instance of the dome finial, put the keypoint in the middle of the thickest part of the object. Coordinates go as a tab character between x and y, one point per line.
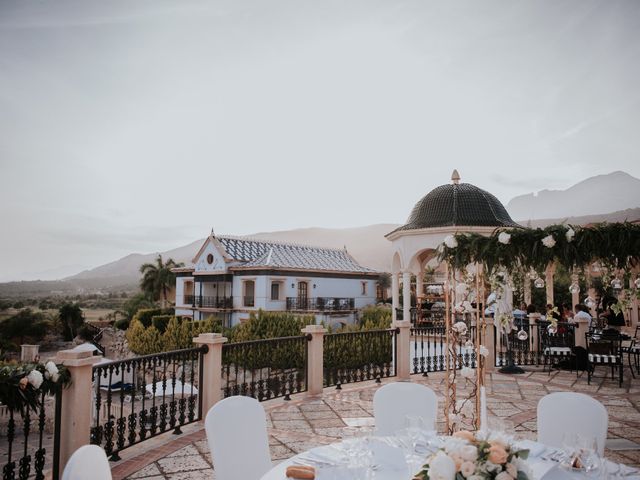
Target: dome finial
455	177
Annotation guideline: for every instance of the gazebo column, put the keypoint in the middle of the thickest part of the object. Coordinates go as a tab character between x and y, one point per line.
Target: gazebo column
575	296
419	284
527	290
406	295
395	297
549	282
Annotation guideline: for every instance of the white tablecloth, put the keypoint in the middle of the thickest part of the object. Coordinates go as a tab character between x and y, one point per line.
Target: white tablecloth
390	466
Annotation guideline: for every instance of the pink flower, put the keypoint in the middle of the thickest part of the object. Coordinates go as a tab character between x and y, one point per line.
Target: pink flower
467	468
497	454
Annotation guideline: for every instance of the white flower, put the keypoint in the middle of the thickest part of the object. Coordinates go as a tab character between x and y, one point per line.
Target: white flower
461	289
512	470
523	466
51	367
467	372
35	379
460	328
467	468
569	234
469	453
484	351
472	269
490	466
549	241
450	241
441	467
504	476
504	238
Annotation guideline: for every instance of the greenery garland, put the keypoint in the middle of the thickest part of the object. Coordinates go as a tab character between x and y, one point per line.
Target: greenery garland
22	384
615	245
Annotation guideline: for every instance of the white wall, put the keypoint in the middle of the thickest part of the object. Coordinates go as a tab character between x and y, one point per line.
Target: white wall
218	264
180	281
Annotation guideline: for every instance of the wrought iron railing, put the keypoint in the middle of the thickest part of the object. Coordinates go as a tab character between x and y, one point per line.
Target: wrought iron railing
359	356
208	301
32	443
429	350
413	314
141	397
322	304
265	369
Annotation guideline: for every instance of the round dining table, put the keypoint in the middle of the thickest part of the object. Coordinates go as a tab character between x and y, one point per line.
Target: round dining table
388	462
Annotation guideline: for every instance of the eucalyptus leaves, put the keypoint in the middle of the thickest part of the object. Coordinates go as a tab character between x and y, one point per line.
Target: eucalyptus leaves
613	244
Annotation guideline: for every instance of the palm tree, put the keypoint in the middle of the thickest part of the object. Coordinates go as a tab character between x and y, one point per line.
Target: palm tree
157	278
384	283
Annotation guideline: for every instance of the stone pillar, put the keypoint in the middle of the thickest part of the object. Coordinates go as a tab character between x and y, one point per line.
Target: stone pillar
403	350
315	352
211	388
549	282
527	290
490	343
29	353
395	296
77	402
406	296
419	285
582	327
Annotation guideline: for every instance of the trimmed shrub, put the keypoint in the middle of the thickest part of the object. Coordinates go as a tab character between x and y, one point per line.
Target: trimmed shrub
161	322
121	324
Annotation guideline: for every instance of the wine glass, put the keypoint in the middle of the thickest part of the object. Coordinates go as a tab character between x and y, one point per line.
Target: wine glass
414	428
589	455
356	443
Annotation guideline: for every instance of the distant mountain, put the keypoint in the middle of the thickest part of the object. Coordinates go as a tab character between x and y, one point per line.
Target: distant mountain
596	195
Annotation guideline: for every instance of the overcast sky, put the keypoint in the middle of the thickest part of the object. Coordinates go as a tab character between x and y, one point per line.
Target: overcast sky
136	126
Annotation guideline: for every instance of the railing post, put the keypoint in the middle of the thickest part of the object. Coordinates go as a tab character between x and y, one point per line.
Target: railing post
75	417
211	387
403	349
315	359
490	343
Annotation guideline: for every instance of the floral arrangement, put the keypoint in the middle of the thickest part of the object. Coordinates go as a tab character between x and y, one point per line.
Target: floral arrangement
479	456
22	384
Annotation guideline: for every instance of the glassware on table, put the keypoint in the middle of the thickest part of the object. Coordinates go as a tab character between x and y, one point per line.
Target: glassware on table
356	444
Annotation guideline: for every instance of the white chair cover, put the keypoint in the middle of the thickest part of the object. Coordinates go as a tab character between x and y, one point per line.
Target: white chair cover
88	462
237	435
394	401
574	413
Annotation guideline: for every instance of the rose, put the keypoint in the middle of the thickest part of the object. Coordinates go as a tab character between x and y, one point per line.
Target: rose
467	372
35	379
460	328
467	468
24	381
450	241
512	470
465	435
51	371
484	351
569	234
504	476
549	241
497	454
442	467
504	238
469	453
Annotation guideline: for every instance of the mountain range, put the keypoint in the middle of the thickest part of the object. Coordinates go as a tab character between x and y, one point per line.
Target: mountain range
586	202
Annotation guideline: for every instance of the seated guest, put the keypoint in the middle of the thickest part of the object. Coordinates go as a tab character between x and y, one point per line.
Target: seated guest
567	312
614	320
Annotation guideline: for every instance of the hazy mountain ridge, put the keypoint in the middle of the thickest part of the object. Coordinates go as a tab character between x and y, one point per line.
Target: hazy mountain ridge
367	244
596	195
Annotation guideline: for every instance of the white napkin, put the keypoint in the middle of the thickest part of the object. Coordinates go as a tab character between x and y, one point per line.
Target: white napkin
391	457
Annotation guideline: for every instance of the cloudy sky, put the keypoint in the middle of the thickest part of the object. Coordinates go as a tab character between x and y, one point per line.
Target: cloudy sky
136	126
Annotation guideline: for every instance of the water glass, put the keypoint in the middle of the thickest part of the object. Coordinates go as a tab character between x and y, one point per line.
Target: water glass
356	443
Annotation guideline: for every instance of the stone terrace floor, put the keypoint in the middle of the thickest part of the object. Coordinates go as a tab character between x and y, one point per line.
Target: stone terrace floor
303	423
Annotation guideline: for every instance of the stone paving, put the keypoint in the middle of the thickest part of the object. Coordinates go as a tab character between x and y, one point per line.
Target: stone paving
304	423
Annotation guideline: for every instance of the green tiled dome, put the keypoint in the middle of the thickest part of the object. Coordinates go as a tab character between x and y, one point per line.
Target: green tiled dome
458	204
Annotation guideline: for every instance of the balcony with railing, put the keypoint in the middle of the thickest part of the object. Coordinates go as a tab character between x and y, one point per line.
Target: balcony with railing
321	304
208	301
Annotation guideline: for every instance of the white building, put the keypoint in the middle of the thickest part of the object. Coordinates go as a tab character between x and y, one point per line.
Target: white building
232	277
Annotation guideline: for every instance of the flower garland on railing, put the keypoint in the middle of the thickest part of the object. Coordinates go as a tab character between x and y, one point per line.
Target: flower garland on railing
22	384
616	245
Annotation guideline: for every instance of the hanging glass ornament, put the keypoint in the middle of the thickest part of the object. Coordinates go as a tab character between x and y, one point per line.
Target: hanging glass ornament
522	335
574	288
590	302
595	267
616	284
538	283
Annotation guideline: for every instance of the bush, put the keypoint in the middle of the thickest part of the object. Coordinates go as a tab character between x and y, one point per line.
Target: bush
161	322
375	317
270	325
121	324
24	326
178	334
85	332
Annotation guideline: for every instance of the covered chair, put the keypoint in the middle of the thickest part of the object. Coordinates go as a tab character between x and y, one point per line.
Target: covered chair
394	401
89	461
560	413
237	435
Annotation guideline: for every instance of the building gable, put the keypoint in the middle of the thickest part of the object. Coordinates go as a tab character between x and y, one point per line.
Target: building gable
210	258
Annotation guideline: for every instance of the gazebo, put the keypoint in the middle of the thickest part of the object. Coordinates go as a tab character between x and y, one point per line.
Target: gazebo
446	210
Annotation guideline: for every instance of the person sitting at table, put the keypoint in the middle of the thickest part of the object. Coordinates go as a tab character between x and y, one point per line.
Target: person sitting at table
614	320
582	313
567	312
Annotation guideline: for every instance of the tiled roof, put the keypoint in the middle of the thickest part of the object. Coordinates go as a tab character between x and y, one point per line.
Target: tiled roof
262	254
458	205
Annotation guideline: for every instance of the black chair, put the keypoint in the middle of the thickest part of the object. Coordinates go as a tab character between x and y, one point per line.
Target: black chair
557	346
633	351
604	350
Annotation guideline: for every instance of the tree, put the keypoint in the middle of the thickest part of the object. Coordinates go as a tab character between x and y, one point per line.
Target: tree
135	303
158	279
384	284
26	324
71	318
